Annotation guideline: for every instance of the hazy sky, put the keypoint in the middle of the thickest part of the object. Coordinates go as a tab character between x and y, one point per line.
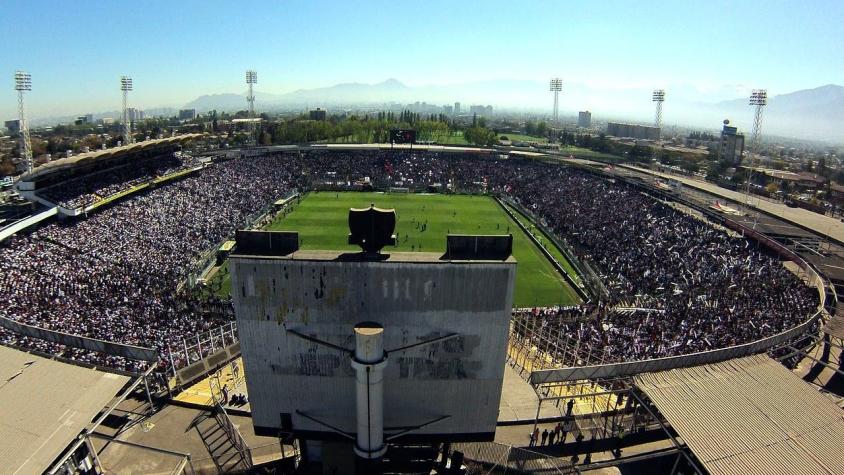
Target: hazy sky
176	50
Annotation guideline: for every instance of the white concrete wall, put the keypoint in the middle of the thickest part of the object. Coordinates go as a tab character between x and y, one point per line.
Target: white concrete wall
414	301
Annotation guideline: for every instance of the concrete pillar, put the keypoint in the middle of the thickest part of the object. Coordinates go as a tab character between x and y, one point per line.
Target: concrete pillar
368	362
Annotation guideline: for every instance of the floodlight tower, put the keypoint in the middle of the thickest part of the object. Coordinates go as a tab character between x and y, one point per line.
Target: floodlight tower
23	83
125	87
658	98
758	98
251	78
555	86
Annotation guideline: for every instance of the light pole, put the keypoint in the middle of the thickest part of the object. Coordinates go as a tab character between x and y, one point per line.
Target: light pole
23	83
658	98
251	80
758	99
125	87
555	86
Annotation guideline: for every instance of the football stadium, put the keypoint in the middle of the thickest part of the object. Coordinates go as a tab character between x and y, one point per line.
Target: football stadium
501	312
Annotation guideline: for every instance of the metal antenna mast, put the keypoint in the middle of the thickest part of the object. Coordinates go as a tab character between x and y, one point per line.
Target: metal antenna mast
555	86
23	83
251	79
658	98
126	86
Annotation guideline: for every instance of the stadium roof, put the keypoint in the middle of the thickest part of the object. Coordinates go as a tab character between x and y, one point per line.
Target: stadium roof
804	218
45	405
69	162
750	416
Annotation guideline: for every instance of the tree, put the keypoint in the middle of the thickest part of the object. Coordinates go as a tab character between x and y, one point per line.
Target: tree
822	169
839	176
480	136
530	128
602	146
6	167
636	152
690	166
808	166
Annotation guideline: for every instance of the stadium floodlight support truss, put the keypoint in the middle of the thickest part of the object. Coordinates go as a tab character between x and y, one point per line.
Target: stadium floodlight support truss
555	86
658	98
23	83
251	80
758	99
125	87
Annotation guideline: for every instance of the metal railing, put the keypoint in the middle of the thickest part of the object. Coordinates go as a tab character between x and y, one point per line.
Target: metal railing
233	434
201	345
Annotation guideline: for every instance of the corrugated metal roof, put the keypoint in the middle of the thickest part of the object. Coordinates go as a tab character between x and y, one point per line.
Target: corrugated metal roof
67	162
44	405
750	415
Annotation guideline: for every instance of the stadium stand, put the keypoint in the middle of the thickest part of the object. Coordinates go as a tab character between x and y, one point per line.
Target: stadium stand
88	189
113	275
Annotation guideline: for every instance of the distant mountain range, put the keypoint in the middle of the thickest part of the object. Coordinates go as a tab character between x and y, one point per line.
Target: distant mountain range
340	94
816	114
518	94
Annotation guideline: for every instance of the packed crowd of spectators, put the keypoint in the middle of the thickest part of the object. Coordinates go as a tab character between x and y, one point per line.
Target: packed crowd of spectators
88	189
697	287
114	275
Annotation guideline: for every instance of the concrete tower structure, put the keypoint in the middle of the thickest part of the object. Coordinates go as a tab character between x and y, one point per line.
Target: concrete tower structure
351	352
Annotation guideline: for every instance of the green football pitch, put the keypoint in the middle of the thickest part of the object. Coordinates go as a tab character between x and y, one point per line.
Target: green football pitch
423	222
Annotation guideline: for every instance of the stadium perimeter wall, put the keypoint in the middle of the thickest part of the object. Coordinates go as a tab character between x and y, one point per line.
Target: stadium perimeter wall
82	342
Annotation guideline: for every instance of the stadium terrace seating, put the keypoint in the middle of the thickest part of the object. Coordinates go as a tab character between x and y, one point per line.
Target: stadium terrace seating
113	275
88	189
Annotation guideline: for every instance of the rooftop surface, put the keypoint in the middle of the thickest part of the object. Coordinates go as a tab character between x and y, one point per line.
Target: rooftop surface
45	406
68	162
750	415
821	224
